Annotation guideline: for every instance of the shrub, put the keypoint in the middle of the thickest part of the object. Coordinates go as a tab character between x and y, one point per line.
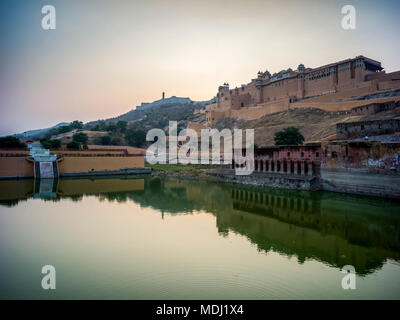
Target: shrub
51	144
11	142
135	138
80	137
73	145
289	136
105	140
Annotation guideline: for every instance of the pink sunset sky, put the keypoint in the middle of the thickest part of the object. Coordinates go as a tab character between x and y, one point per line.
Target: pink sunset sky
106	57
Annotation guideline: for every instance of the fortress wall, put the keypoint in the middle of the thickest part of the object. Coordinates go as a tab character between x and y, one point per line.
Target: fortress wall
128	149
214	116
87	152
15	167
317	86
212	106
363	89
249	113
281	89
86	164
340	105
4	152
386	85
261	110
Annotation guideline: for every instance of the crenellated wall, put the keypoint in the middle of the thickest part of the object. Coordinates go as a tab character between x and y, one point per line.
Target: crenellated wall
332	87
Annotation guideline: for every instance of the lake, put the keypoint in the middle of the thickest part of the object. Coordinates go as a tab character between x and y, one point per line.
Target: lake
167	238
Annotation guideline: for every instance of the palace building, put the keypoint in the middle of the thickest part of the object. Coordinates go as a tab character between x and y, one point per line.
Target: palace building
338	86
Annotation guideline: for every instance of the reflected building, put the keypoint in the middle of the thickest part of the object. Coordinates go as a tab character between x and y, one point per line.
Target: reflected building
335	229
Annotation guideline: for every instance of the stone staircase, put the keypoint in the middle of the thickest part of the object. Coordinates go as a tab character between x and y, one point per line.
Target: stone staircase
45	164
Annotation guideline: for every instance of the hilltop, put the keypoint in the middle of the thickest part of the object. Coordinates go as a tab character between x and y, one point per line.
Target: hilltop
145	116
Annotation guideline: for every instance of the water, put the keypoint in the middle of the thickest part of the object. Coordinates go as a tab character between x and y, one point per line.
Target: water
165	238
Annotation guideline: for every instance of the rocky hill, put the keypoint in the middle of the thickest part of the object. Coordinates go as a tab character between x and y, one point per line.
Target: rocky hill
314	124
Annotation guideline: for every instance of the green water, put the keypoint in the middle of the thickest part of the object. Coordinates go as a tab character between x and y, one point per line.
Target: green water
164	238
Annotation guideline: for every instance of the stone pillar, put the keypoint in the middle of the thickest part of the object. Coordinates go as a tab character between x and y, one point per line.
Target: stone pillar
310	168
295	167
276	166
302	167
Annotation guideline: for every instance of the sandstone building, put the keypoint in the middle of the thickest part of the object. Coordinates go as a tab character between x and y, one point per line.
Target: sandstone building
338	86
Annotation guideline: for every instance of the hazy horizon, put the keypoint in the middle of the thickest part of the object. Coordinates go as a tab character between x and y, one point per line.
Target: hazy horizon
105	58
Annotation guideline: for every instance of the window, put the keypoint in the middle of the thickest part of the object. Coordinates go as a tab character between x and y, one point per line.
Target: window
317	154
302	154
362	127
288	154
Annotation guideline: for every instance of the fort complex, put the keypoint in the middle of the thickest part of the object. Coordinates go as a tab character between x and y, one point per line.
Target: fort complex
339	86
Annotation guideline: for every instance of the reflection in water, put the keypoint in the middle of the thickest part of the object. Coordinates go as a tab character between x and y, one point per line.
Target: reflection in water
335	229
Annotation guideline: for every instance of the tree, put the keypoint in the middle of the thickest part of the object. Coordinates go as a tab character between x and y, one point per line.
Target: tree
111	128
73	145
80	137
51	144
62	129
289	136
76	124
11	142
135	138
105	140
115	141
121	126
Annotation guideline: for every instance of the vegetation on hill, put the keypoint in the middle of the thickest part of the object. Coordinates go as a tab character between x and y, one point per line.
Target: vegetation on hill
80	137
288	136
51	144
11	142
63	129
79	140
314	124
73	145
131	128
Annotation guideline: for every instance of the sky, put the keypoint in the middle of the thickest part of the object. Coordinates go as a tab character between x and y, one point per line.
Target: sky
106	57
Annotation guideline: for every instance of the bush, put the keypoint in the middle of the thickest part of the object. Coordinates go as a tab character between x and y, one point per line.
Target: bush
105	140
76	124
115	141
121	126
62	129
11	142
289	136
51	144
73	145
135	138
80	137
